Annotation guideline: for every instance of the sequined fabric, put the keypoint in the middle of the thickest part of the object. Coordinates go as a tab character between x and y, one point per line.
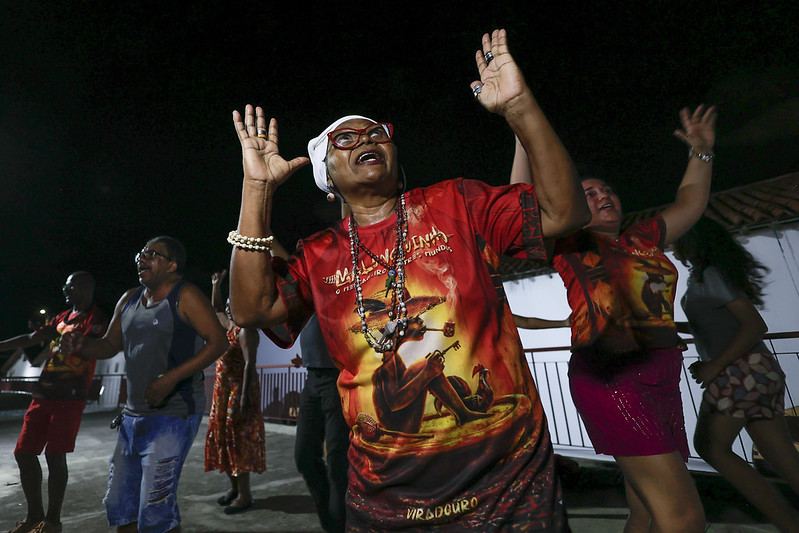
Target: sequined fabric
635	409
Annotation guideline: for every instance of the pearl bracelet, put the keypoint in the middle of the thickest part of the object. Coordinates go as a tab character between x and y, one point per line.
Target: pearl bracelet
256	244
707	158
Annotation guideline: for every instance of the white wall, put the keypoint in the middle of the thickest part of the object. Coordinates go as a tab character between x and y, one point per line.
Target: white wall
269	354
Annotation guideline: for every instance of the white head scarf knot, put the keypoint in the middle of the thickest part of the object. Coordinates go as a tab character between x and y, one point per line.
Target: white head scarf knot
317	150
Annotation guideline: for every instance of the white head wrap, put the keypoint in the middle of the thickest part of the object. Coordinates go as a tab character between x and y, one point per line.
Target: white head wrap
317	150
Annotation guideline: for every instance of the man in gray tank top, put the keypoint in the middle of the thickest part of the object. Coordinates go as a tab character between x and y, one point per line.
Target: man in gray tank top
169	334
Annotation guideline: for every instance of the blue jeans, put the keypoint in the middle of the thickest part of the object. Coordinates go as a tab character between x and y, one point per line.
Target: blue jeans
145	469
322	421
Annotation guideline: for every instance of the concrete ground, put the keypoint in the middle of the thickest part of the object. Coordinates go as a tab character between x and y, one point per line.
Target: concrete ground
594	498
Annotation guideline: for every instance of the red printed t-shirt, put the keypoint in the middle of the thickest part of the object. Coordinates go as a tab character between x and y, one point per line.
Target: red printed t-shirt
621	292
68	377
418	459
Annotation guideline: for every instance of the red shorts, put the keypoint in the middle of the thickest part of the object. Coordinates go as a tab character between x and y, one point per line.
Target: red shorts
53	423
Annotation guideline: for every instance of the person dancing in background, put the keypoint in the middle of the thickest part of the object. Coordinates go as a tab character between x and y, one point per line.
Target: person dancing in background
488	473
743	384
323	436
169	334
624	372
53	418
235	441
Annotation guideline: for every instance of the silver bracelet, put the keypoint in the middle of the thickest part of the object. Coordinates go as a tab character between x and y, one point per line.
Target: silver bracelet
256	244
707	158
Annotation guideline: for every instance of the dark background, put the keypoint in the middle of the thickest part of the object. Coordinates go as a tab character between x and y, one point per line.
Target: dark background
115	119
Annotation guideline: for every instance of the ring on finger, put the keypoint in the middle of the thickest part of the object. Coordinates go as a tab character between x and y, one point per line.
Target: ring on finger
477	89
262	133
489	56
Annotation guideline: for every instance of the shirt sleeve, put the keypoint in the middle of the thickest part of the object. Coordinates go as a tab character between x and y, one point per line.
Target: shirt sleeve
97	324
717	290
649	232
291	279
506	217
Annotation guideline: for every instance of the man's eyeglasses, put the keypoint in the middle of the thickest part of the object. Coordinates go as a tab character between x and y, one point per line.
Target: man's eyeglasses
347	138
149	255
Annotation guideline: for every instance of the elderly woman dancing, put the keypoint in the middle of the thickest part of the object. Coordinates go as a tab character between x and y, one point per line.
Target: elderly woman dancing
624	372
448	429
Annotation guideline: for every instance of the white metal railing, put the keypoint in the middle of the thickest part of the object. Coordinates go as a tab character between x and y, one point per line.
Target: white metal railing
281	386
550	371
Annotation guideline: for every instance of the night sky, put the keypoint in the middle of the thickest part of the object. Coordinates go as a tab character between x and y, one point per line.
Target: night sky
115	119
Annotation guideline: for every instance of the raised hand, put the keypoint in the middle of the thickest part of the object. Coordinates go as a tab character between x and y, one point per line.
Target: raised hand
501	82
218	277
259	149
698	128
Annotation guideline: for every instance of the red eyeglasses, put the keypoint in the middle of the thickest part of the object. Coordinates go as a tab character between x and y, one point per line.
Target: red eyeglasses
347	138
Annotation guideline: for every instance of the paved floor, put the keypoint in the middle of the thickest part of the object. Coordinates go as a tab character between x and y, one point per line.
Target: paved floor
594	498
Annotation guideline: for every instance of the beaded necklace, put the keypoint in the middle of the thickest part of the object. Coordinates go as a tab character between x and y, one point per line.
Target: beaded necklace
395	329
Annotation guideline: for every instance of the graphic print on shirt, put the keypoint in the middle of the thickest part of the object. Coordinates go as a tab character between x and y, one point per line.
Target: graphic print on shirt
447	428
68	376
424	388
622	291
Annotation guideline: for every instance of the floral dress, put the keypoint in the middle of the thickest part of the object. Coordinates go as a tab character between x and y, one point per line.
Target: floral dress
235	441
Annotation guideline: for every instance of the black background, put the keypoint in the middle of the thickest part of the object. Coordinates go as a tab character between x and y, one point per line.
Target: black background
115	119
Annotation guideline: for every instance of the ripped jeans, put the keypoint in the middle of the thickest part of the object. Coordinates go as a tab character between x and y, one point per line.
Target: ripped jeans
145	469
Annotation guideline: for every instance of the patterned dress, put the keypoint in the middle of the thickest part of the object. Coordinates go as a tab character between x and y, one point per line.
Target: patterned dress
754	385
235	441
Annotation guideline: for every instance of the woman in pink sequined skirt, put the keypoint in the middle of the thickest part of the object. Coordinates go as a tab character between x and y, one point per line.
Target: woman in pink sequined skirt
624	372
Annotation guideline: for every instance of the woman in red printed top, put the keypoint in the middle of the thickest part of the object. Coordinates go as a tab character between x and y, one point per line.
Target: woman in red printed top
448	430
624	372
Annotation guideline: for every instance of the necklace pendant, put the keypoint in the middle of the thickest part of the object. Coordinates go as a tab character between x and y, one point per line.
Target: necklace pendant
392	276
386	342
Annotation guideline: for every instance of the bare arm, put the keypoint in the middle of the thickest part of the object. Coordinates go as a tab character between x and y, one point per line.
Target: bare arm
278	250
217	302
751	331
255	301
249	339
504	90
520	169
526	322
196	309
106	347
216	298
44	334
699	132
